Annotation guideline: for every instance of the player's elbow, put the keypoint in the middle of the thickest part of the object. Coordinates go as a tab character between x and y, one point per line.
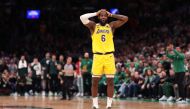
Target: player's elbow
125	19
81	17
84	20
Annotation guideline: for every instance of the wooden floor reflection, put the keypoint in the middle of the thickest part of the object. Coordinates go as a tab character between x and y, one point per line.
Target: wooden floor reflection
80	103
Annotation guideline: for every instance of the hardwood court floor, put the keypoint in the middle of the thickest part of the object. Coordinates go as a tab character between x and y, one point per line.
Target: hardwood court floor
80	103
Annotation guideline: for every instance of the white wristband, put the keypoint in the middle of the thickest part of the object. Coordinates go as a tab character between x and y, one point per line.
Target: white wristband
85	18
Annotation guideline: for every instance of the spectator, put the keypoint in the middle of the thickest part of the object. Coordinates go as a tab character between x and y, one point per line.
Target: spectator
166	85
53	77
29	85
187	86
135	85
119	80
12	67
140	67
22	67
79	77
36	76
149	85
3	66
21	85
62	63
45	69
61	80
179	69
13	84
86	66
61	60
132	68
4	83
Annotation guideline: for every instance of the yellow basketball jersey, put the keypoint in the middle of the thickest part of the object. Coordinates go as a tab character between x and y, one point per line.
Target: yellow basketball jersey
102	39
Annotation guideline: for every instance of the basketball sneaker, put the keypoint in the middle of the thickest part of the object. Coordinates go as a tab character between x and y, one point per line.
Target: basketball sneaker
55	94
26	94
181	101
170	99
78	94
36	94
15	94
43	93
163	98
95	107
187	100
50	94
81	94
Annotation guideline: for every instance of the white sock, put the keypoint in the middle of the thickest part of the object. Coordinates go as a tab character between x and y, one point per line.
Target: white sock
109	101
95	102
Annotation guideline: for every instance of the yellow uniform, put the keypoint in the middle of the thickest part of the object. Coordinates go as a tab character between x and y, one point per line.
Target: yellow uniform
103	48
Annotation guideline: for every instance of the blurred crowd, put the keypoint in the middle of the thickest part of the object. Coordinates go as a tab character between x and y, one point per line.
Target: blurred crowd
50	76
164	76
59	28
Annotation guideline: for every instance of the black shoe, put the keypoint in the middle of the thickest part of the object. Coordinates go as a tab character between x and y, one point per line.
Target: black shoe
63	98
95	108
108	108
70	97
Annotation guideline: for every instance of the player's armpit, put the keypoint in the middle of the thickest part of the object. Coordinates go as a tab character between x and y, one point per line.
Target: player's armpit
121	21
91	25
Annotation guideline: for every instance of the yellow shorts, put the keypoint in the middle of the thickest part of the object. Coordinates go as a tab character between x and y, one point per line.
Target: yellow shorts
103	64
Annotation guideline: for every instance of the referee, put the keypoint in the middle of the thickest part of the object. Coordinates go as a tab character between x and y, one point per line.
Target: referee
69	72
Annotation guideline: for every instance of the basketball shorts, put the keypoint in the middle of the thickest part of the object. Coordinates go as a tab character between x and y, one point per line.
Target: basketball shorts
103	64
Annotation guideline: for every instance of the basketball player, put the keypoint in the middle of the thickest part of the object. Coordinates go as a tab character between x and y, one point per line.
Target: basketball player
103	49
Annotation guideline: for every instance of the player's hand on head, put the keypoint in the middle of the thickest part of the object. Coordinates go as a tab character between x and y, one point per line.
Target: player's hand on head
103	10
98	12
109	14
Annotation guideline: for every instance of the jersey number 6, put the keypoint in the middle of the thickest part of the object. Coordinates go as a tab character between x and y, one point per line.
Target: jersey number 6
103	38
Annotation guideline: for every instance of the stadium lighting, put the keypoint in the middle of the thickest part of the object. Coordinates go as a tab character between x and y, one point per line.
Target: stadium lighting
114	10
33	14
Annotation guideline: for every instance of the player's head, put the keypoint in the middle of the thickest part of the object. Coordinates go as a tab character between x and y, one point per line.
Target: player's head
59	67
61	58
178	49
149	72
53	57
80	58
47	55
69	60
103	16
86	55
22	57
164	57
35	60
